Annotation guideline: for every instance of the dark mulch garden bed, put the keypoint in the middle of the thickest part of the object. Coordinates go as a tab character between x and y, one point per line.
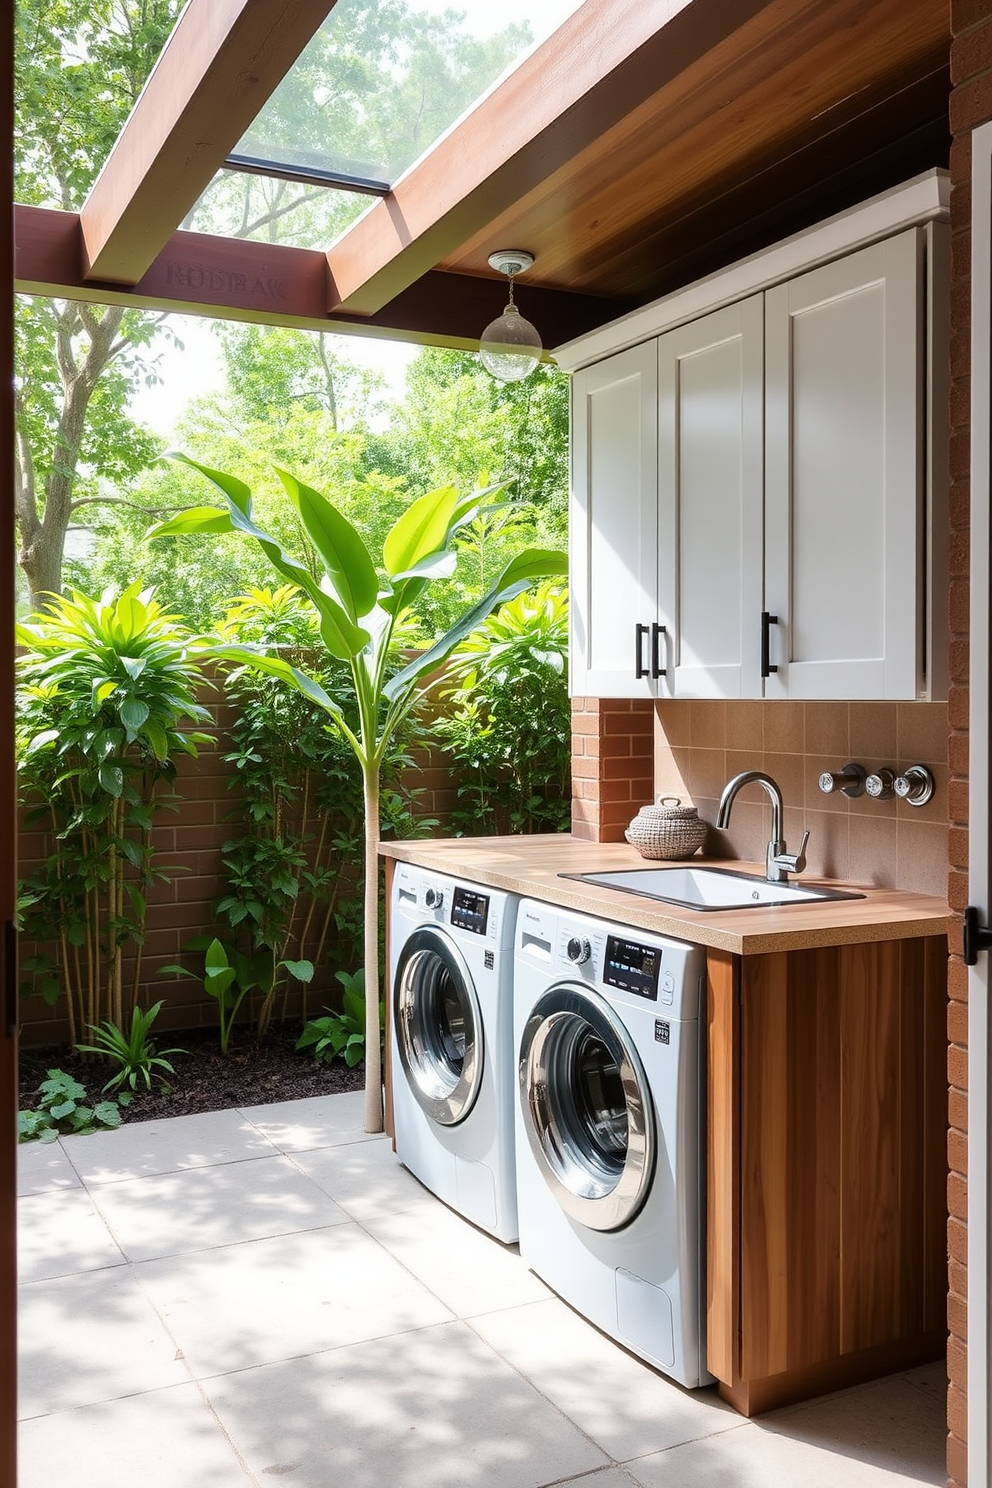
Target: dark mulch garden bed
252	1074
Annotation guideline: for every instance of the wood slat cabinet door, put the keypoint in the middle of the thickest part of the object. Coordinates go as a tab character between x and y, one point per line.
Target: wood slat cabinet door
842	1172
710	501
614	528
845	554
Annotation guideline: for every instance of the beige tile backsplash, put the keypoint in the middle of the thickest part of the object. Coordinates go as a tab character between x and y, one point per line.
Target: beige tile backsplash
700	745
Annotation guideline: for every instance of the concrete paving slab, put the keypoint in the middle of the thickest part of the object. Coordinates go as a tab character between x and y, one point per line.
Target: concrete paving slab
61	1233
164	1439
319	1121
89	1338
165	1146
43	1167
442	1411
470	1271
273	1299
627	1408
202	1208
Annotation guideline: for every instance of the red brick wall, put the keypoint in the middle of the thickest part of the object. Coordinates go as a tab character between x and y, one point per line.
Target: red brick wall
612	765
971	105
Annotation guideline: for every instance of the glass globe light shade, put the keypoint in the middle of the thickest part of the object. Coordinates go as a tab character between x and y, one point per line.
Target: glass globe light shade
510	347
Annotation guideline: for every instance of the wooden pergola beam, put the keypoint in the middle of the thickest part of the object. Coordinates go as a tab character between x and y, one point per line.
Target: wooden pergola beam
221	63
233	279
591	73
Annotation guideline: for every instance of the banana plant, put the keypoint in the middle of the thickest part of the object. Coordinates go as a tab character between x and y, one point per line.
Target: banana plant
359	616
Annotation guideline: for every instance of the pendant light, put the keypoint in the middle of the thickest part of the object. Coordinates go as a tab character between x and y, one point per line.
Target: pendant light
509	347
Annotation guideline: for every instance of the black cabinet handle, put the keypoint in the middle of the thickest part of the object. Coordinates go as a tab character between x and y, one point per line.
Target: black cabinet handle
766	621
657	631
976	937
640	670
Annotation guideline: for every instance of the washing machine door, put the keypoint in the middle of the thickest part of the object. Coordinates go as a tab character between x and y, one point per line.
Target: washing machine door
586	1107
438	1026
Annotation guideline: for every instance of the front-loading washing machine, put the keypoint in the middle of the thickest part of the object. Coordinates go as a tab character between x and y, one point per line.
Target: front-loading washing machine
451	1042
609	1039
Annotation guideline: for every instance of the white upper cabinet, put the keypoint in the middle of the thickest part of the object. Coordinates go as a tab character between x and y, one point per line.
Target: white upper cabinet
754	492
615	641
710	401
844	476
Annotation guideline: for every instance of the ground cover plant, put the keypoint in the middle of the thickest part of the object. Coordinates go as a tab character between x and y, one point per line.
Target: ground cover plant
61	1109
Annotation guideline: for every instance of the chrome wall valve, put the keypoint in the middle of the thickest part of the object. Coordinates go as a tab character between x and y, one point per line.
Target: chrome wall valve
915	786
850	780
881	785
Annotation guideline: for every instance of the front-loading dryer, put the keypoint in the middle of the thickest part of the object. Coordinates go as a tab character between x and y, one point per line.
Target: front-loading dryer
451	1042
609	1046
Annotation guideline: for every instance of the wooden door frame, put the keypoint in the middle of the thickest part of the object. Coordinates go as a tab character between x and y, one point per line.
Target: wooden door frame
8	869
979	1030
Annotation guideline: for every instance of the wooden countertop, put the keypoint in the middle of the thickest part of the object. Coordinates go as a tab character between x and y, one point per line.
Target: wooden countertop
530	866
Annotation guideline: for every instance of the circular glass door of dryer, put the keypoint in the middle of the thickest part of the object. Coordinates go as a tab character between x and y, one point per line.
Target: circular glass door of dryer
586	1107
438	1026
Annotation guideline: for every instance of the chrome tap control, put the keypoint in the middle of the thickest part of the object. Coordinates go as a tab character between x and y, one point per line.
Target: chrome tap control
881	785
850	780
915	786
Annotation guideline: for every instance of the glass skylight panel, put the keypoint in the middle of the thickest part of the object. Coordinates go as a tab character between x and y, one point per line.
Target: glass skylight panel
267	209
383	80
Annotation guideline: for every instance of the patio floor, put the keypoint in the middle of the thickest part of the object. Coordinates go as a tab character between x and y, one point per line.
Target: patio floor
266	1294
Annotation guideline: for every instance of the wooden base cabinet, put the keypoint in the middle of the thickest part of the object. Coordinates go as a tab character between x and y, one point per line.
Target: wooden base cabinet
826	1177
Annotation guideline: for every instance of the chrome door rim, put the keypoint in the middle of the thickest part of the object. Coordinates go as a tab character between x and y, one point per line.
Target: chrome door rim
445	1089
599	1191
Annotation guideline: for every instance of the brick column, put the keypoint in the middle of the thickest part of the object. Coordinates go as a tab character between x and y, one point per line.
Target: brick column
612	764
970	105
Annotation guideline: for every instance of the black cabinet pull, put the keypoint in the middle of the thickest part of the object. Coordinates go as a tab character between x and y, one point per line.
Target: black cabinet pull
766	620
640	670
657	631
976	937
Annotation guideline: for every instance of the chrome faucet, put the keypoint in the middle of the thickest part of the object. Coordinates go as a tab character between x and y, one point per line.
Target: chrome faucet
778	862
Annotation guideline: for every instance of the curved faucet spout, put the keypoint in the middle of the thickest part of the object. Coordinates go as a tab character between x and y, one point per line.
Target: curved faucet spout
778	862
747	777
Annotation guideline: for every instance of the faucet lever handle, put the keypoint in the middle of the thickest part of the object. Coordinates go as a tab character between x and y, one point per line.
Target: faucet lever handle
794	862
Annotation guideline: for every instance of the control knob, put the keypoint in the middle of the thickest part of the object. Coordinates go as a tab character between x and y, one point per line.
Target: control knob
578	950
434	898
880	785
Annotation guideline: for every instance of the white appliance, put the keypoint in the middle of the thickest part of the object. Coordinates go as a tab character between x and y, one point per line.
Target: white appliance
609	1035
451	1042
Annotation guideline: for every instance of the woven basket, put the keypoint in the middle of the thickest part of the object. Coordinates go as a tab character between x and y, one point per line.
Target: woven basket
668	830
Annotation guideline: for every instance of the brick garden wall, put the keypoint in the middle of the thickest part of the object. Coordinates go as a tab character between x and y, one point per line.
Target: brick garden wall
188	844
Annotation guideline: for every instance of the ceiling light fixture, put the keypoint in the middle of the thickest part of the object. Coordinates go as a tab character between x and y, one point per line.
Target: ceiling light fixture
510	347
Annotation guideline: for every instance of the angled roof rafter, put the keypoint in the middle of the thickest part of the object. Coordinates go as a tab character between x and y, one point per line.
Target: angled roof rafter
220	65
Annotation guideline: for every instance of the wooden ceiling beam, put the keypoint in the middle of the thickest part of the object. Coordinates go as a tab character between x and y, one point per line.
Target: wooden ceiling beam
220	65
593	71
234	279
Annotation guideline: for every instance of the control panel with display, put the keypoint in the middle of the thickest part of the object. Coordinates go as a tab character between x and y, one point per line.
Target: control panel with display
469	910
631	967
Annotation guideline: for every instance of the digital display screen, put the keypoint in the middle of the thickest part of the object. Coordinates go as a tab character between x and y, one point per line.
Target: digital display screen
631	967
470	911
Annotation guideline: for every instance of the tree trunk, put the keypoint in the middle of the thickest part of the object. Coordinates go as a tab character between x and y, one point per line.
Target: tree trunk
373	1061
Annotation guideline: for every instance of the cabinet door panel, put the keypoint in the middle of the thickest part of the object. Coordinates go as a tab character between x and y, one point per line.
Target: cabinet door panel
710	500
843	497
614	525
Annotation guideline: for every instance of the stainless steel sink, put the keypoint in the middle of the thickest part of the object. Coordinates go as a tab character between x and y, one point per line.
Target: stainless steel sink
711	888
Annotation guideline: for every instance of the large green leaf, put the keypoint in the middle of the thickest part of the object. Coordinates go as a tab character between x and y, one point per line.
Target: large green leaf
421	530
345	557
235	490
196	519
518	575
275	667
